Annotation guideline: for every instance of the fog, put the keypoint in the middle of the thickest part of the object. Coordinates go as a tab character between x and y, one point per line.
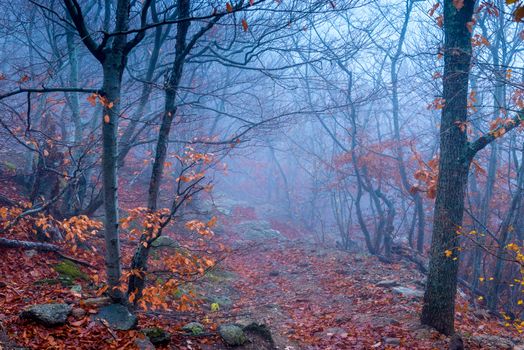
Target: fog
279	145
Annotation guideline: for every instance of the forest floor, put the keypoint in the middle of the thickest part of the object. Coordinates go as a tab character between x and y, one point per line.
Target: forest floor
308	295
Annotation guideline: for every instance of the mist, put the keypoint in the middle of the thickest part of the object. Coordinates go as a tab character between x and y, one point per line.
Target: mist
261	174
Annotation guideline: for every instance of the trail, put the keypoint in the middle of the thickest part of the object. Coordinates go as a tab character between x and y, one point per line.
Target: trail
320	298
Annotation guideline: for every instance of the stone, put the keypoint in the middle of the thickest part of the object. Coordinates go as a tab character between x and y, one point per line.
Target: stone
30	253
274	273
388	284
232	335
257	230
456	342
408	292
117	317
482	314
157	335
194	328
144	344
392	341
252	327
491	342
78	313
49	315
165	242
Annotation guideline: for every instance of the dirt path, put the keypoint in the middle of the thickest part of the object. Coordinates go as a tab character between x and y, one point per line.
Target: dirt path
317	298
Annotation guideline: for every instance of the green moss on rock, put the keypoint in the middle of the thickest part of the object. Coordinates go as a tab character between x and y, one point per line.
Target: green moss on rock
68	269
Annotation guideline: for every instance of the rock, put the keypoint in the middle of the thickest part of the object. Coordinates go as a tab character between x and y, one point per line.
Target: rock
232	334
117	317
165	242
274	273
77	288
490	342
144	344
49	315
157	335
422	333
408	292
259	329
30	253
482	314
456	342
78	313
392	341
257	230
194	328
388	284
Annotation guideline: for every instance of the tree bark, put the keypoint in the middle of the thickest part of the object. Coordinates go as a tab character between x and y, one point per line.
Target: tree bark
439	298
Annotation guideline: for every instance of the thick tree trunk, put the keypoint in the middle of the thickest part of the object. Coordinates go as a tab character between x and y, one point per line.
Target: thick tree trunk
439	298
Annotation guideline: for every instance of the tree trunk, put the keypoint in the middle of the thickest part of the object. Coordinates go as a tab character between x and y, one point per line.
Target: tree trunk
113	70
170	107
439	298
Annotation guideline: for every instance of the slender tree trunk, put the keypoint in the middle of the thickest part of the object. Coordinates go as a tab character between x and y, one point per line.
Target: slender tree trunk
113	70
170	106
136	283
439	298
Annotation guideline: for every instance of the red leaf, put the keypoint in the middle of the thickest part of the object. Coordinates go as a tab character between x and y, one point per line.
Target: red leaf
244	25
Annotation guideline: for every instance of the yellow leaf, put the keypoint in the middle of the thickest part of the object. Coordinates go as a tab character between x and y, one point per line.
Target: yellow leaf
215	307
448	253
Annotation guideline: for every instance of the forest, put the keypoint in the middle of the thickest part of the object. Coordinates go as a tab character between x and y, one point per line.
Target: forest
261	174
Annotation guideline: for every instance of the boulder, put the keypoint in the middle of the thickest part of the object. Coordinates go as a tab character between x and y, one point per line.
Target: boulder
408	292
255	328
257	230
157	335
194	328
49	315
165	242
117	317
232	335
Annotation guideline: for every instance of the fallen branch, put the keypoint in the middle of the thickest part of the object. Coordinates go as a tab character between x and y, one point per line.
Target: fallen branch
43	247
12	243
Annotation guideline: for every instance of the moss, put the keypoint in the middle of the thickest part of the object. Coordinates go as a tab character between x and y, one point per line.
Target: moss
67	269
194	328
48	281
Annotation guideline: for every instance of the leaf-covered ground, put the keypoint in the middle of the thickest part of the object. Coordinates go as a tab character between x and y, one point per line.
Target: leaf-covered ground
310	296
